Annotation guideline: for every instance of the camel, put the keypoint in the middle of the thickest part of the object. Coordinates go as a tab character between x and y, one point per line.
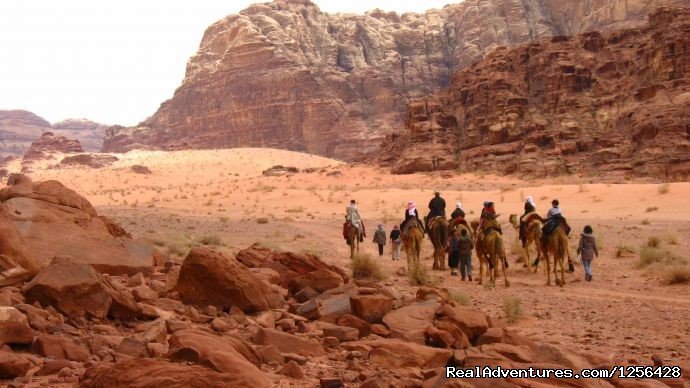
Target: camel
533	235
556	245
353	239
438	233
412	243
490	249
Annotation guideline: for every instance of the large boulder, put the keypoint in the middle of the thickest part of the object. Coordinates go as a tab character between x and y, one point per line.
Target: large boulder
288	343
415	316
371	308
14	327
61	347
208	277
12	365
395	353
206	344
50	143
462	321
56	221
16	260
147	373
73	288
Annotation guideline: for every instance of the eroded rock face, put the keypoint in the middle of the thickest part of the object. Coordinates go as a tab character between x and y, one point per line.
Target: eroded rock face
53	220
612	102
50	143
286	75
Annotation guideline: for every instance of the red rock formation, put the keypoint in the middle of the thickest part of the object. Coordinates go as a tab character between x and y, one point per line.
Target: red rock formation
18	128
597	103
50	143
285	75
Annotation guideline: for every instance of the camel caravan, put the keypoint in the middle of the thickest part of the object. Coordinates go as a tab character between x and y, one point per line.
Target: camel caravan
454	238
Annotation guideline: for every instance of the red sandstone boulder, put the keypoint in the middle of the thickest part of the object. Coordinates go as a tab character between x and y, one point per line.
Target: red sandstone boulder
56	221
394	353
50	143
16	260
14	327
61	347
89	160
208	277
371	308
147	373
75	289
415	316
13	365
461	321
288	343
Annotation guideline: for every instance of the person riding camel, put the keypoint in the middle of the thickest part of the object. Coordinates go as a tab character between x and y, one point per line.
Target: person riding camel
410	213
553	218
458	212
530	207
488	212
437	208
353	217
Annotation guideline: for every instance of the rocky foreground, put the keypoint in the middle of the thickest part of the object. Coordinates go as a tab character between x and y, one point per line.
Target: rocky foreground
616	103
287	75
73	312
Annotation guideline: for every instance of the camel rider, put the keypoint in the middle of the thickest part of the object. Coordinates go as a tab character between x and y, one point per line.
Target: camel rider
437	208
488	212
353	217
553	218
530	207
458	212
410	213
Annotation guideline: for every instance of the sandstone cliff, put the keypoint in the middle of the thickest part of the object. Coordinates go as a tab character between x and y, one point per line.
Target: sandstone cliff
597	103
286	75
18	128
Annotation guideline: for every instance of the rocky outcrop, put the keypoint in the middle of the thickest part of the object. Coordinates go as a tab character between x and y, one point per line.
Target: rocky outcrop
286	75
19	128
50	143
612	102
53	220
89	160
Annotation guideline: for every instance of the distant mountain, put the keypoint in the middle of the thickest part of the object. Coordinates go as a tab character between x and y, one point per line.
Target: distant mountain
286	75
19	128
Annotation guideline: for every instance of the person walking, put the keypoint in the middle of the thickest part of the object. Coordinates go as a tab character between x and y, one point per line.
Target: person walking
396	242
465	254
587	248
454	253
380	238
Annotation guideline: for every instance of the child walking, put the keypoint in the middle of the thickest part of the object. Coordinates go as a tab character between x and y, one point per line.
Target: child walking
465	246
396	241
454	253
587	249
380	238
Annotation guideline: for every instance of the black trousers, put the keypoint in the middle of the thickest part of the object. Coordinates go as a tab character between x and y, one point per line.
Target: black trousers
381	249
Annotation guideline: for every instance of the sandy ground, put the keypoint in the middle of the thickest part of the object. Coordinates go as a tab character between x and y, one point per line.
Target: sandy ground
221	196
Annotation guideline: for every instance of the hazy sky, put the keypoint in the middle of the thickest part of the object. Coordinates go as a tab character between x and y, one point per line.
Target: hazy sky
115	61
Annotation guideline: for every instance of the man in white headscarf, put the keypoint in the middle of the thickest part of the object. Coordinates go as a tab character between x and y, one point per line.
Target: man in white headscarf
458	212
353	217
530	207
411	213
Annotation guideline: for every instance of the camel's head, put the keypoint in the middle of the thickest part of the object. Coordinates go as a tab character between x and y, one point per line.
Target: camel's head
474	224
513	220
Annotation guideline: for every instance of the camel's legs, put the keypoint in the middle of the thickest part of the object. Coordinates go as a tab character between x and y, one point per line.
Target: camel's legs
529	261
548	267
505	277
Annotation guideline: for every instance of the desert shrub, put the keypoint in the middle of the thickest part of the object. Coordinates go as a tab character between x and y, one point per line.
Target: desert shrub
651	209
677	274
646	222
653	242
419	276
671	238
298	209
210	239
262	220
178	245
624	250
459	297
664	189
365	267
512	307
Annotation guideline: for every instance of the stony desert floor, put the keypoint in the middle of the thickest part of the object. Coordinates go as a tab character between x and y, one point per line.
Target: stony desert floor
221	198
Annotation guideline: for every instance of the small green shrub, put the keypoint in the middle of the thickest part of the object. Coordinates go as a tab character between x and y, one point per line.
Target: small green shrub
512	307
365	267
419	276
677	274
459	297
664	189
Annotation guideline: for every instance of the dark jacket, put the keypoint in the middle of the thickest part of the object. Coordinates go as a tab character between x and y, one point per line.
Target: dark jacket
408	216
529	208
437	207
457	213
465	246
395	235
380	237
587	247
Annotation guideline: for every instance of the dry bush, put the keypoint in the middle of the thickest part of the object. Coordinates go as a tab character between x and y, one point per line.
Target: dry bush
646	222
459	297
298	209
663	189
512	307
419	276
671	238
653	242
365	267
624	250
677	274
210	239
651	209
262	220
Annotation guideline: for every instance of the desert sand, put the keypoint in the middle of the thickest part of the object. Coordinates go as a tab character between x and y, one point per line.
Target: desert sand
626	311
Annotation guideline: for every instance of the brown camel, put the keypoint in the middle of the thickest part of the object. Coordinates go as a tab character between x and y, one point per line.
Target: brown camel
353	239
438	233
412	243
492	247
532	234
556	245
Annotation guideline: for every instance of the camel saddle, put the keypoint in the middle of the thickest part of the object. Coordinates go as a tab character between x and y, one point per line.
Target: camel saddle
553	223
459	220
